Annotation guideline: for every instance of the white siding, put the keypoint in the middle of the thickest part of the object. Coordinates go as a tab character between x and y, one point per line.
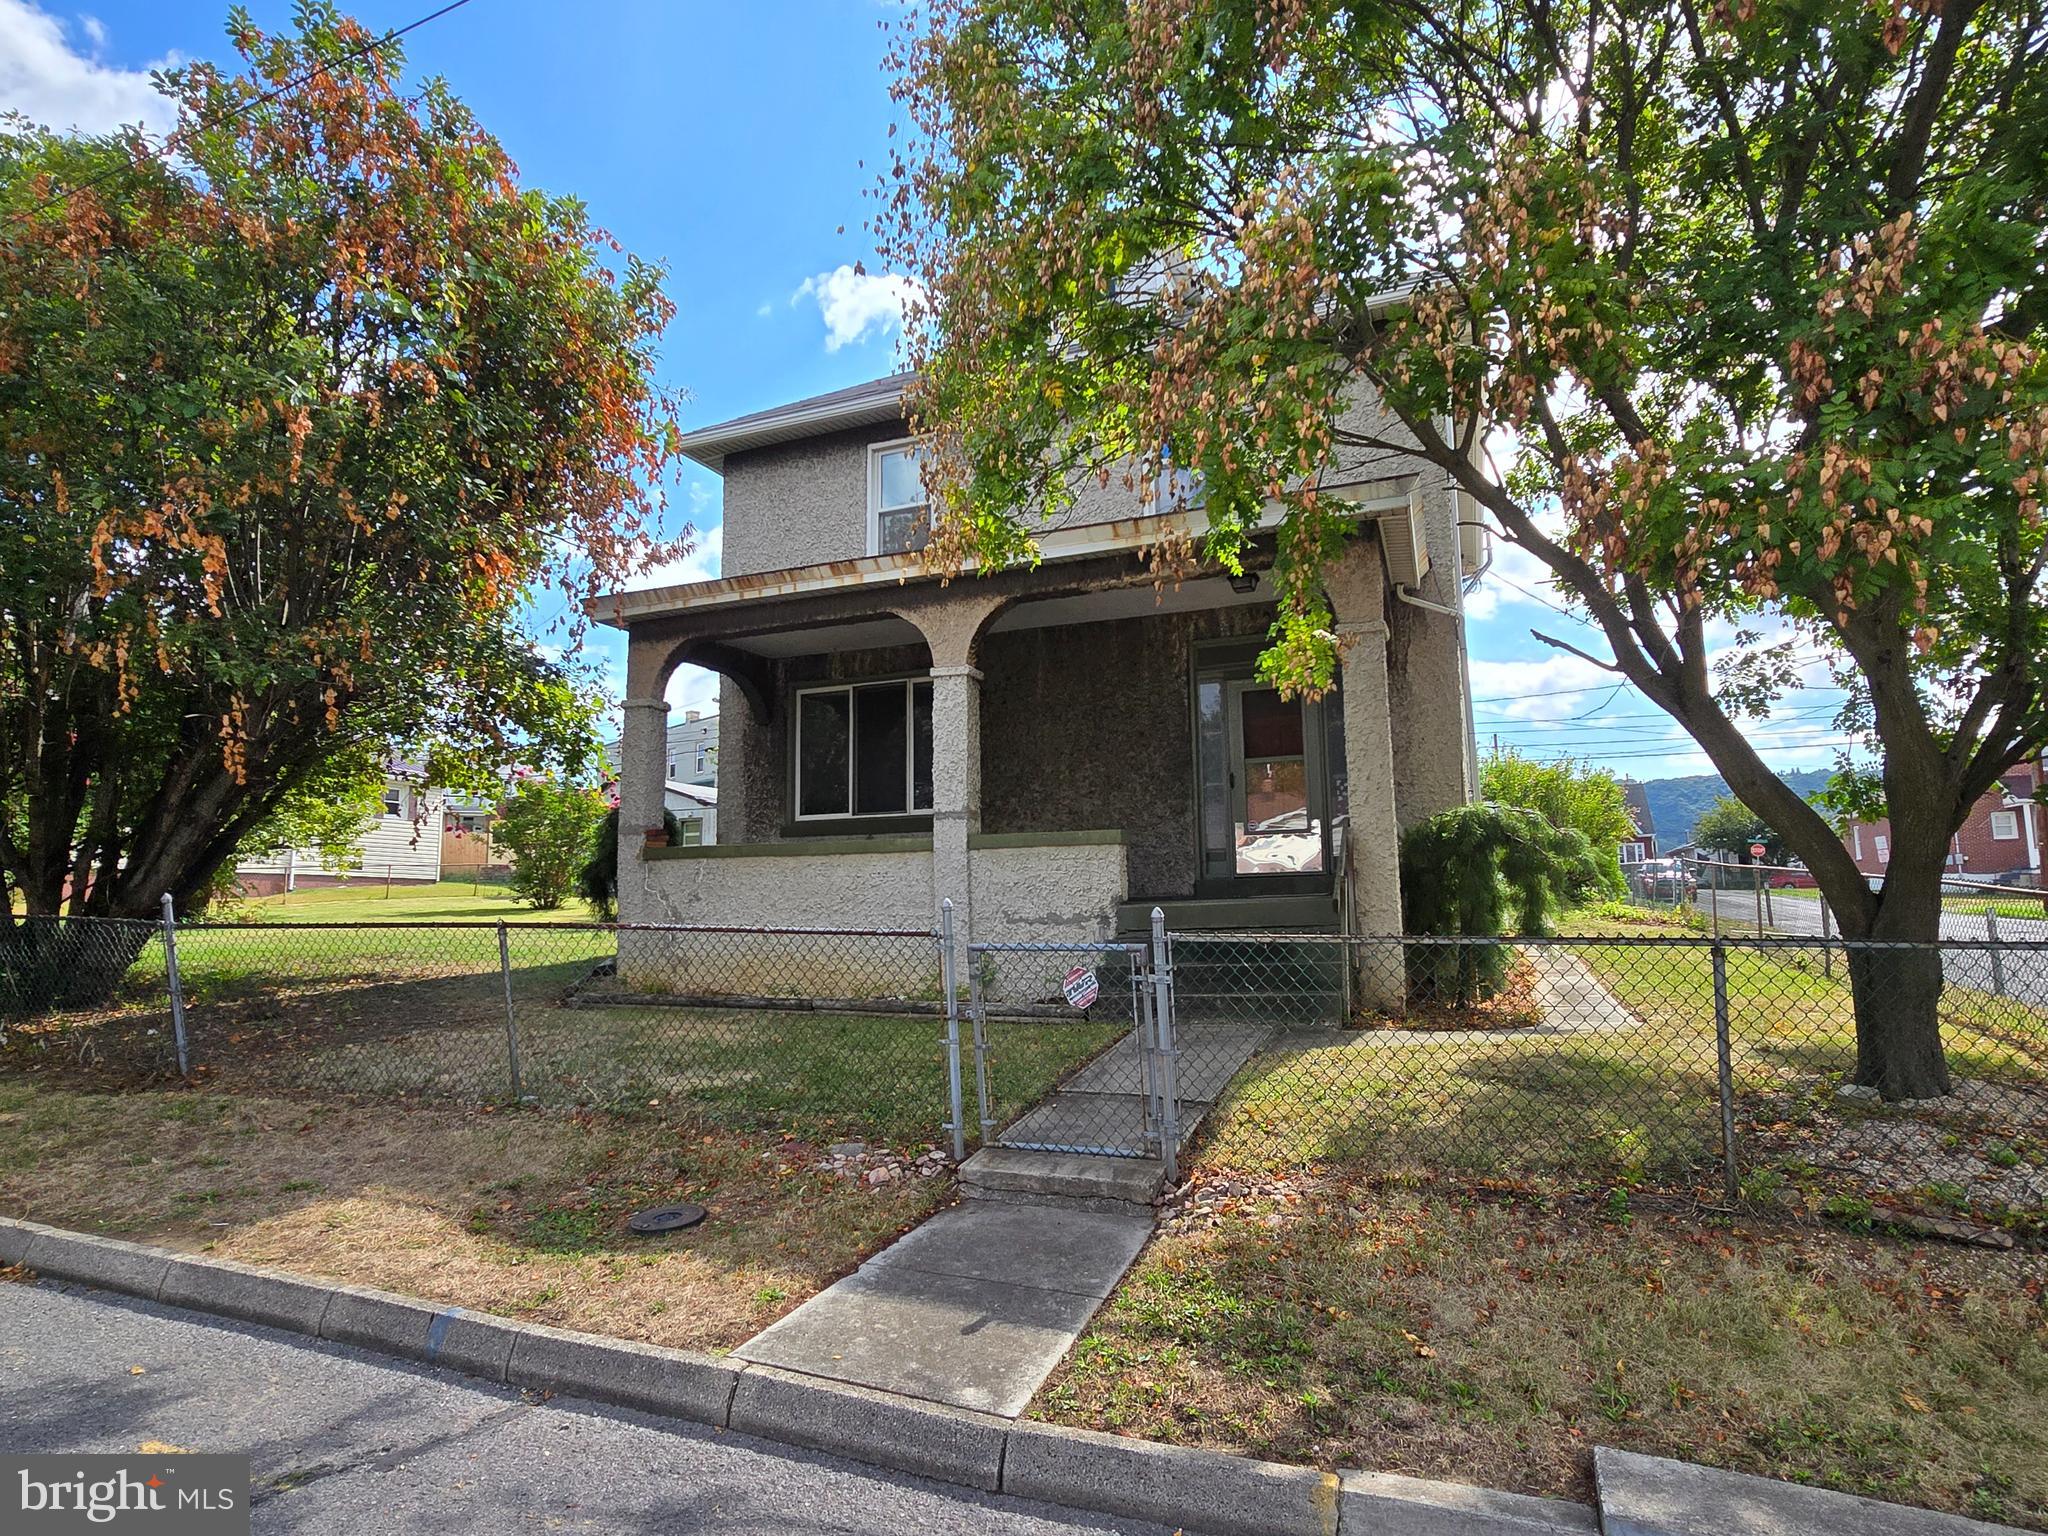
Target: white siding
403	847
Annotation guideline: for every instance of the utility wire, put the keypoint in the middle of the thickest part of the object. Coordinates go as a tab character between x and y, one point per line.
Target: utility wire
250	106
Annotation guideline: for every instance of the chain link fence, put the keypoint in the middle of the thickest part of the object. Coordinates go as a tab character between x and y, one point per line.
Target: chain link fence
820	1031
1724	1067
1680	1063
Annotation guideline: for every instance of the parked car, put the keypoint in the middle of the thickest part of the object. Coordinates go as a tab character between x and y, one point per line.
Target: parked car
1664	880
1792	877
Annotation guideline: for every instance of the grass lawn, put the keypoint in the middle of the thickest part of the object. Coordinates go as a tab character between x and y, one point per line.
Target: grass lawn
1325	1319
517	1213
417	1013
370	901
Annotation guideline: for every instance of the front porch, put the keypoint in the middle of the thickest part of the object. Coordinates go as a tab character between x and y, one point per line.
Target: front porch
1053	750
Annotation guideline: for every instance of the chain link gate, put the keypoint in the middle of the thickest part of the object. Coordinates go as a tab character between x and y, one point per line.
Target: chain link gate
1073	1046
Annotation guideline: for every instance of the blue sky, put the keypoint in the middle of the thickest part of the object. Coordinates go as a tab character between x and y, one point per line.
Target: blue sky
728	141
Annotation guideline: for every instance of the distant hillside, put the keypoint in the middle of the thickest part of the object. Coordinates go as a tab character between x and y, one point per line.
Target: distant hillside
1678	803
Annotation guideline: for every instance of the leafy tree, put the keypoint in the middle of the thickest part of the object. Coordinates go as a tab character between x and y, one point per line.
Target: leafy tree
1728	826
1568	795
330	811
1754	295
296	414
1479	871
548	826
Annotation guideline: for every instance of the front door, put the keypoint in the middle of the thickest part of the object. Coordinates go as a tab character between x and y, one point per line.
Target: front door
1263	798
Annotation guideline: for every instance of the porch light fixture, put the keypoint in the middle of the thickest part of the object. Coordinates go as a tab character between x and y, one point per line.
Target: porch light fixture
1244	581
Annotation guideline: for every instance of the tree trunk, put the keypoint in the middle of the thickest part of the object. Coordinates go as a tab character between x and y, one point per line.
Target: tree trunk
1895	982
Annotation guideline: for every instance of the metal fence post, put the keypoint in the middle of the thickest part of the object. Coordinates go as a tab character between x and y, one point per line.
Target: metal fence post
1827	948
1997	957
1725	1068
511	1014
177	988
1164	1034
948	979
984	1094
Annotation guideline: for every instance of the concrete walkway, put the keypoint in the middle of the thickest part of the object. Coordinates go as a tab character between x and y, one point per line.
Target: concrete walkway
974	1308
1101	1108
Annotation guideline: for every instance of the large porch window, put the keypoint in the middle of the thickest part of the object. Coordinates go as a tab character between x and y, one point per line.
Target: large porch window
864	749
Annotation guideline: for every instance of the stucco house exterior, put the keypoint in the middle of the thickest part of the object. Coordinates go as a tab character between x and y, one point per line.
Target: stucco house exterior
1055	749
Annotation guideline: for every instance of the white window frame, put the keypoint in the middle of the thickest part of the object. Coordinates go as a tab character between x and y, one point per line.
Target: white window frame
2010	820
395	801
796	767
1884	849
876	452
1857	833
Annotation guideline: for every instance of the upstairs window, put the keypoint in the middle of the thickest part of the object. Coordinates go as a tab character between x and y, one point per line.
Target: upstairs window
864	750
394	801
899	515
2005	825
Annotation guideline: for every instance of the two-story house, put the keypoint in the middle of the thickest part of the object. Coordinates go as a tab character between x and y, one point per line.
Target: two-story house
1054	748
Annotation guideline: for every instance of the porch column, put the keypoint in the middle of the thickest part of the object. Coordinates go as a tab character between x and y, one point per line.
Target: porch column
956	785
1373	847
643	769
952	621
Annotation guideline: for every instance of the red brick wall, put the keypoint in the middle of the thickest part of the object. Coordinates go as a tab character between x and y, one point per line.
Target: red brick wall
1974	853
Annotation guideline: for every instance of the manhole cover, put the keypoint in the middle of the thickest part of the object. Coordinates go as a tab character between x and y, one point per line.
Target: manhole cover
665	1218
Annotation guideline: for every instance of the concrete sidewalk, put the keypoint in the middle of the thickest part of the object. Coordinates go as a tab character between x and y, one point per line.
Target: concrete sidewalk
973	1309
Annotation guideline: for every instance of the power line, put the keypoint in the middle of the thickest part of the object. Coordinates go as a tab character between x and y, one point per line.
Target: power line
1541	722
244	110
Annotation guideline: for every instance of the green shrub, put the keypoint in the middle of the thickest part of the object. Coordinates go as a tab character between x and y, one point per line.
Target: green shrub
548	827
1482	871
598	881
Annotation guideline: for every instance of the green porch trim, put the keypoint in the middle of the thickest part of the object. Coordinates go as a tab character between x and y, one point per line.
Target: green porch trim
808	847
1087	839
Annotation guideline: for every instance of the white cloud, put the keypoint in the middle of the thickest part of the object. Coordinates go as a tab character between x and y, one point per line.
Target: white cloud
45	79
700	564
857	305
692	688
766	309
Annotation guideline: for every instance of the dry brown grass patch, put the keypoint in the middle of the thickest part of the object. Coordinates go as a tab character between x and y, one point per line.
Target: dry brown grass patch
517	1213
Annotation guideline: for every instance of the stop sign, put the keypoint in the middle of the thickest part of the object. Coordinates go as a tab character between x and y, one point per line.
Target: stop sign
1756	850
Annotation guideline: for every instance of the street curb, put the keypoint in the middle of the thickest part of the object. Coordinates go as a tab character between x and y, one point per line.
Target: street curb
954	1445
1176	1485
1209	1491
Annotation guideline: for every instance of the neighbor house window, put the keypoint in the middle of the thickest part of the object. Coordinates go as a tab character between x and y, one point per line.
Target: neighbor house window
394	802
899	517
1857	833
1884	849
864	750
2005	825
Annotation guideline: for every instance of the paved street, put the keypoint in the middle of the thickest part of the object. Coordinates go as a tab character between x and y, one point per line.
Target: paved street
2022	974
351	1443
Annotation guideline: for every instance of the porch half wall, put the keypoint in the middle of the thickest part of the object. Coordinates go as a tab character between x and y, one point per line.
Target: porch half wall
1051	888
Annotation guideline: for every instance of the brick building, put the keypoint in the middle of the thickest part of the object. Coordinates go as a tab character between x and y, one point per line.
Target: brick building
2006	836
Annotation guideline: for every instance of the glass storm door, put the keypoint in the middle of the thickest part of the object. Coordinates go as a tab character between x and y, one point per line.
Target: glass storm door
1260	785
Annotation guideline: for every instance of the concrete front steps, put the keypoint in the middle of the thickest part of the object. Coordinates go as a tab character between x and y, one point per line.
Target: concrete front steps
1072	1180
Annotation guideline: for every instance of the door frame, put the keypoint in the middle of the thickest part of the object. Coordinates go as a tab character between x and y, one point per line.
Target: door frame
1235	661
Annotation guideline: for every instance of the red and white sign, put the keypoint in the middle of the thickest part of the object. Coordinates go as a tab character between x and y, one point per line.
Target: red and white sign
1081	987
1756	850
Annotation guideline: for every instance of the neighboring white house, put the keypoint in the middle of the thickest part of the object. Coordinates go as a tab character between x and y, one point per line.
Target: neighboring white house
696	807
689	777
402	844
